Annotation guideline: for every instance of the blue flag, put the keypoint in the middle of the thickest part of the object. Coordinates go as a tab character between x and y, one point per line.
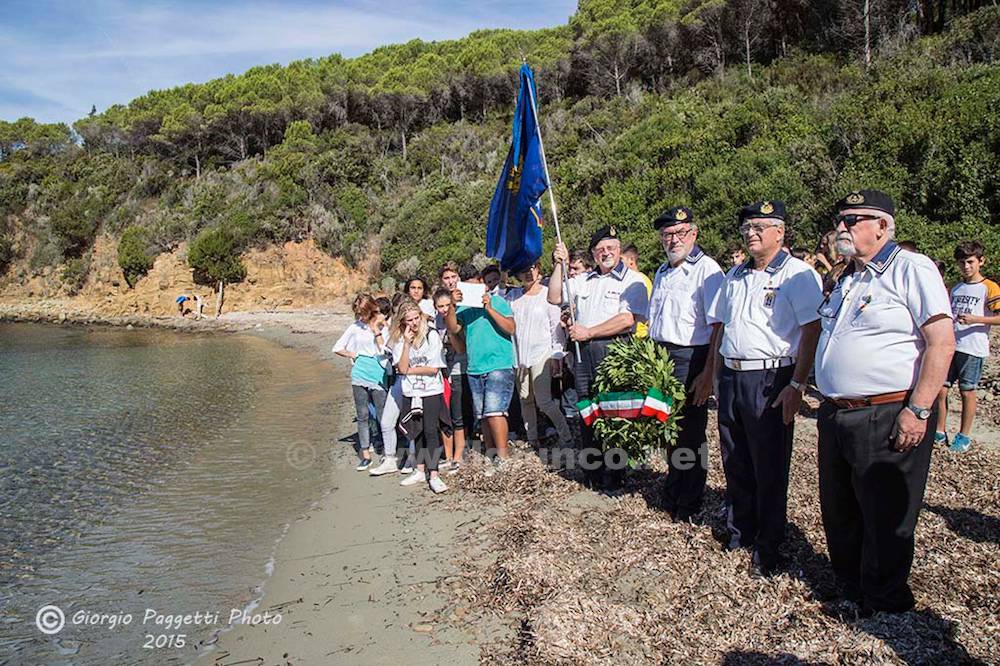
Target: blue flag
514	230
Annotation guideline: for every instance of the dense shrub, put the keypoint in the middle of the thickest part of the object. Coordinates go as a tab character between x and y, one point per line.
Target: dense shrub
215	256
134	257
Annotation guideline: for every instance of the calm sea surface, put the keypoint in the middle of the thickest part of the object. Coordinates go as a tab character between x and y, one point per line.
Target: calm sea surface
148	470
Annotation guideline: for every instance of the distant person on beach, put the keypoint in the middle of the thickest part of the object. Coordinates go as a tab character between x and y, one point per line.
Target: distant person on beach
609	302
882	357
975	304
536	342
416	288
418	353
456	368
181	300
683	290
199	306
488	328
364	342
768	311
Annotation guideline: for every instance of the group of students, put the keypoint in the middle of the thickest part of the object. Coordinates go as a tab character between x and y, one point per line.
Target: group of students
434	369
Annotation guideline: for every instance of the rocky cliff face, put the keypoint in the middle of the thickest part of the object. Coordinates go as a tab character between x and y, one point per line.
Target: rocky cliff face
292	276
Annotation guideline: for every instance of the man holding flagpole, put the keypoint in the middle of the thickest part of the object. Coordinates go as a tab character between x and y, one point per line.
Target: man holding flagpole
609	300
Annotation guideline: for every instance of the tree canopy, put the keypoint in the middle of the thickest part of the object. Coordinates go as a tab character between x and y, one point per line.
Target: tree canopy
644	105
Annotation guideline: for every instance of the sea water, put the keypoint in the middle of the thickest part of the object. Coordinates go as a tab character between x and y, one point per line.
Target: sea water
145	478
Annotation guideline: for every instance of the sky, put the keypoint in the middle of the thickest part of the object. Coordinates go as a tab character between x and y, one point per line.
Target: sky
58	58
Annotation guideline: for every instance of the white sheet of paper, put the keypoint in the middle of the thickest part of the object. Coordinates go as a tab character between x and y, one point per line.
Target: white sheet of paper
472	294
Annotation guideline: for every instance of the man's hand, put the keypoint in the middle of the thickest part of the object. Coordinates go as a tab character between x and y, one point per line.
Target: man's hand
909	430
789	400
560	254
579	333
702	388
487	298
456	295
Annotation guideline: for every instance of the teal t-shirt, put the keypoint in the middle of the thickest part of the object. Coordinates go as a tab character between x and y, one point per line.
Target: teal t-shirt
489	348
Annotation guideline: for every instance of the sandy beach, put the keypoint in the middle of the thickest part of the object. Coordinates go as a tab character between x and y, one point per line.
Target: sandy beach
358	578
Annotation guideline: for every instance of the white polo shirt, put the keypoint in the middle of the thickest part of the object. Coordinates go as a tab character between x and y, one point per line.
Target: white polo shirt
598	297
871	341
763	311
681	296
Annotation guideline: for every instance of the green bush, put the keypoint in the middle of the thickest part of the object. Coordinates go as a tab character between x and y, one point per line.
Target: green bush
215	256
6	253
74	273
133	256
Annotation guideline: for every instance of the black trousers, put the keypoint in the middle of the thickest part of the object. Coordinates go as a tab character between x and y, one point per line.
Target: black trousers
870	496
756	455
427	439
685	485
592	353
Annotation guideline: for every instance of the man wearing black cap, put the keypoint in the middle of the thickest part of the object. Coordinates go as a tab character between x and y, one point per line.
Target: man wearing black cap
886	343
608	300
683	289
767	308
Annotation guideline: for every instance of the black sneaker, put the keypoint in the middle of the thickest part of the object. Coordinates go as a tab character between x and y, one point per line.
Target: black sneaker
364	464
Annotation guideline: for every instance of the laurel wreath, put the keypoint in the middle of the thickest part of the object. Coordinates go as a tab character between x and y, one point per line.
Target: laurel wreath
638	364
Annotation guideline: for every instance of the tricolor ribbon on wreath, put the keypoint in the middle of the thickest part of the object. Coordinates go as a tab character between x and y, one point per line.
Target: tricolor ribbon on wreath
626	405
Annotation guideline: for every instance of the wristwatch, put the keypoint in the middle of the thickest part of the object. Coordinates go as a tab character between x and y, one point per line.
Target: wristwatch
800	387
921	413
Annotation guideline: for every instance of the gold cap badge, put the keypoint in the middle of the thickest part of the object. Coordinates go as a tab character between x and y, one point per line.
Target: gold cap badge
766	208
612	231
681	215
855	198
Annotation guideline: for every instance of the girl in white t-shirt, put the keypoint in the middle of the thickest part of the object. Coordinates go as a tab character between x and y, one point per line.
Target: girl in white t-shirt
364	342
419	357
536	343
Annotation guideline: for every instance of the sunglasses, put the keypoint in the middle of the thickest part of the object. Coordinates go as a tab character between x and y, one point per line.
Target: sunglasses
851	220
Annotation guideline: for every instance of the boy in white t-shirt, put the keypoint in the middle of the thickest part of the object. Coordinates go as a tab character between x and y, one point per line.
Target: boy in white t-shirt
975	302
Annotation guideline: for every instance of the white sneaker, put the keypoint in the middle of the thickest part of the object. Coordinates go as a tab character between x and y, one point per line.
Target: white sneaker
406	469
437	485
414	479
444	465
455	466
387	466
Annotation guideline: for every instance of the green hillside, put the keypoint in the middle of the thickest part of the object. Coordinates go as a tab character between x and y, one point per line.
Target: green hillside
644	105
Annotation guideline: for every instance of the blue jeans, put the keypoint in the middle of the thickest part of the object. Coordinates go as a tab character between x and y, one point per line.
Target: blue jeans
965	369
492	392
362	396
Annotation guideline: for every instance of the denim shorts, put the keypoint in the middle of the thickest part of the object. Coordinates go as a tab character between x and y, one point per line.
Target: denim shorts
492	392
967	369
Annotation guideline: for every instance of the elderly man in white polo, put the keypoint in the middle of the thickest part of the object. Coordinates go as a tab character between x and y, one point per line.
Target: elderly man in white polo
882	357
767	308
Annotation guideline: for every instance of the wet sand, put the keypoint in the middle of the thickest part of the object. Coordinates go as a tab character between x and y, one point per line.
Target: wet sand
358	578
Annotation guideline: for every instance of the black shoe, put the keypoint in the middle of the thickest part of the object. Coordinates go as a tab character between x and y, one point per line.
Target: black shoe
765	567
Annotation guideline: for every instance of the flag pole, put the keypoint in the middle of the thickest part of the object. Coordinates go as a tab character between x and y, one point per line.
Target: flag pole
555	213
